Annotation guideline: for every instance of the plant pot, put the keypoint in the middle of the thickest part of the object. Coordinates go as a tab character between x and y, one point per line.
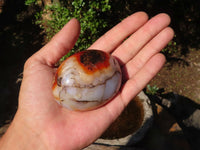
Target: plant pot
131	125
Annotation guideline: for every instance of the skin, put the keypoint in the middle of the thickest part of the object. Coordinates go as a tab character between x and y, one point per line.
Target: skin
40	123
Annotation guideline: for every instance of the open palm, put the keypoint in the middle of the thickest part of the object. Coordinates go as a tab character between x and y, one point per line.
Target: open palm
139	57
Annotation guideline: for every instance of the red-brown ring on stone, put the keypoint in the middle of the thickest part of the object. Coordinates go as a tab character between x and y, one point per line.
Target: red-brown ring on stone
92	60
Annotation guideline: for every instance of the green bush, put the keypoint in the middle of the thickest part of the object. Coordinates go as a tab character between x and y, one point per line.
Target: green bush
89	13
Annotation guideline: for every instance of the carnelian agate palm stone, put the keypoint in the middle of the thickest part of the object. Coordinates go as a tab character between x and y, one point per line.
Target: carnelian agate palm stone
87	80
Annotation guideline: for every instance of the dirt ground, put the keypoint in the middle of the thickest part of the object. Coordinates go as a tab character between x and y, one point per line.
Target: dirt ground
181	75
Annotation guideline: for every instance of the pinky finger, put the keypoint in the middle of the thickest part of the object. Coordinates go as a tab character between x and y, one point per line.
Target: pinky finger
135	84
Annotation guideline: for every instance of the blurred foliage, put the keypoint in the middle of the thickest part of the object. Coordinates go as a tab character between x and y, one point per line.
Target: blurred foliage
29	2
89	13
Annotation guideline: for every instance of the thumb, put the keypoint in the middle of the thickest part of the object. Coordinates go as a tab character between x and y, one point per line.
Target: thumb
60	44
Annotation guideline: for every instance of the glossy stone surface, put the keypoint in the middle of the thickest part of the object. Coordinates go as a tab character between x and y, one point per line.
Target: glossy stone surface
87	80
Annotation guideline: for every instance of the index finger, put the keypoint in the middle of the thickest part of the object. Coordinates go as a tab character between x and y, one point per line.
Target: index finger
114	37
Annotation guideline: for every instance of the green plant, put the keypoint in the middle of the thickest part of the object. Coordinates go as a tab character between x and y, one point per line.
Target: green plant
30	2
152	90
171	48
89	13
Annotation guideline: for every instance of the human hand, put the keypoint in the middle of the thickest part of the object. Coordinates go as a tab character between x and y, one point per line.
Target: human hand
46	124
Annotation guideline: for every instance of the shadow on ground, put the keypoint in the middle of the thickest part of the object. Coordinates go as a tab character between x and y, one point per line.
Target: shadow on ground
183	111
19	39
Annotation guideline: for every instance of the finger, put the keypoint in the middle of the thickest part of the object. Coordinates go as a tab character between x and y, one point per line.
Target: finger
153	47
60	44
114	37
134	43
134	85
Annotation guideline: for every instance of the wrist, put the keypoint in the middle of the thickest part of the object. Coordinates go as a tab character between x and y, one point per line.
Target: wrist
20	136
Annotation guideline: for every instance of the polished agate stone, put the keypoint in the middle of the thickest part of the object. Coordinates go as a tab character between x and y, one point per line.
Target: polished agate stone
87	80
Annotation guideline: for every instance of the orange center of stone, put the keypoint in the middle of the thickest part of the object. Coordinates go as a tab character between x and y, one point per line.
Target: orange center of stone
92	60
